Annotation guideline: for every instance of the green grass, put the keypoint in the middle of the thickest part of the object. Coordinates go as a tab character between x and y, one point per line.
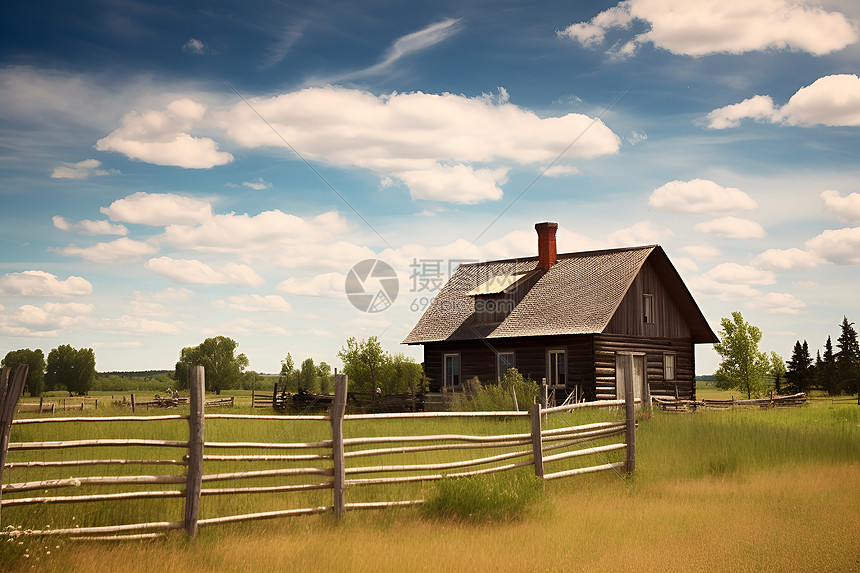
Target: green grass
739	490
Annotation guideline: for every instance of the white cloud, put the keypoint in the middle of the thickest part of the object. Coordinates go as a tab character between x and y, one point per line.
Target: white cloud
731	281
635	137
126	324
88	227
561	171
80	170
787	259
732	228
701	252
830	100
743	274
246	326
123	250
44	321
442	146
163	138
841	246
411	43
116	345
192	271
327	284
257	184
781	303
642	233
700	196
153	303
194	46
158	209
40	283
254	303
845	208
719	26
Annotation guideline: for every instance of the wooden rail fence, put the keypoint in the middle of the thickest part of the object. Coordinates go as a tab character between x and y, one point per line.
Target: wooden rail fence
338	461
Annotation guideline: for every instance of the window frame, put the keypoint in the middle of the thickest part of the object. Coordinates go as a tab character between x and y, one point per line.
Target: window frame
667	369
512	354
648	308
445	381
553	365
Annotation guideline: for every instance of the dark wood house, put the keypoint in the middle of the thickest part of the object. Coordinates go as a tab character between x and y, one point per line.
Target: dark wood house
566	318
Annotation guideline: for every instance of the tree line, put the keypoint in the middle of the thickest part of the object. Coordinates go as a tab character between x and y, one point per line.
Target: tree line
744	367
369	367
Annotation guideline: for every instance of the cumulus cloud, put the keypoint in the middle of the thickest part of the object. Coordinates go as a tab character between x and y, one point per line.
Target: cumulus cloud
43	321
80	170
840	246
154	303
717	26
731	281
642	233
185	271
88	227
700	196
158	209
561	171
845	208
122	250
787	259
163	138
254	303
829	100
441	146
40	283
326	284
732	228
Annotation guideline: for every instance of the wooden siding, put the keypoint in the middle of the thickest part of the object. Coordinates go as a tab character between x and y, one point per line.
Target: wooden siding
606	346
668	320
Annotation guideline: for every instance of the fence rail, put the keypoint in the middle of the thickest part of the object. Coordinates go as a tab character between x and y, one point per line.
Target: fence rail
346	463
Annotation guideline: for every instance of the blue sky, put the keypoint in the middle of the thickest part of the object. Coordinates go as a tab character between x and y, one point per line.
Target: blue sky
174	172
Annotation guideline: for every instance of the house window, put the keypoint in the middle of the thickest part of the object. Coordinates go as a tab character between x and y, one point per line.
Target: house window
648	308
556	369
452	370
505	363
668	367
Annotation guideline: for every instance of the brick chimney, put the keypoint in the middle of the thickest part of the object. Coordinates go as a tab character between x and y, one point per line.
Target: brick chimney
546	244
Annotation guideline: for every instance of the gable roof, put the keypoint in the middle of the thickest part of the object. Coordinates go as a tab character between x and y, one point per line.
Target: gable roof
577	295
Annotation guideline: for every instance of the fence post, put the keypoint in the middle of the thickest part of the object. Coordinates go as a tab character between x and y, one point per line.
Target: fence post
9	392
132	403
646	398
630	410
338	407
537	442
196	400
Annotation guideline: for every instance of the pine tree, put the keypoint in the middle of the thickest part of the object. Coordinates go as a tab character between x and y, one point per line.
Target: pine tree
848	359
827	372
800	368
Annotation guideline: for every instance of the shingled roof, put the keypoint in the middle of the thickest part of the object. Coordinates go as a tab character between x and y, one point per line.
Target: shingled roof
577	295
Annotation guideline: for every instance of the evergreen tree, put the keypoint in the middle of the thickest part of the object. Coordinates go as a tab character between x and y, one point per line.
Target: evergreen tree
827	372
799	373
848	359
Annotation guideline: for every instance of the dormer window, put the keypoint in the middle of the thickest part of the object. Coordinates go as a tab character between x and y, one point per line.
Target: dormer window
648	308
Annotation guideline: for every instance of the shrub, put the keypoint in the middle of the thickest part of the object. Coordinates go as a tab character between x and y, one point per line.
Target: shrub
487	497
495	397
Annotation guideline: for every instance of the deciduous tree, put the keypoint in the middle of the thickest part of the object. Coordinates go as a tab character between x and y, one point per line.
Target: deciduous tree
223	367
35	359
71	368
743	366
362	361
777	371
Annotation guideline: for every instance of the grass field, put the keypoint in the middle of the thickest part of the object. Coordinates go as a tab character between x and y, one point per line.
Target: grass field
740	490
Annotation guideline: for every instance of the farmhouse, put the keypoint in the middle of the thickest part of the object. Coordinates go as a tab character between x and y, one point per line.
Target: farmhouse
566	318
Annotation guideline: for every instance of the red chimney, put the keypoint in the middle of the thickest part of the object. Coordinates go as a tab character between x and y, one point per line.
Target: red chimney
546	244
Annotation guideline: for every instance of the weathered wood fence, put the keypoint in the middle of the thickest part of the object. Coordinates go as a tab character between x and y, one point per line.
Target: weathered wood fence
552	452
676	405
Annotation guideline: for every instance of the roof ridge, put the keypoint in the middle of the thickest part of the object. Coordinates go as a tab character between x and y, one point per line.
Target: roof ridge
566	255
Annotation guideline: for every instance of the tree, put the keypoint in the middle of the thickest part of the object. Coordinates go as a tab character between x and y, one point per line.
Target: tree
308	376
289	379
35	359
325	377
777	371
826	371
362	361
799	373
743	366
848	359
402	374
74	369
223	368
